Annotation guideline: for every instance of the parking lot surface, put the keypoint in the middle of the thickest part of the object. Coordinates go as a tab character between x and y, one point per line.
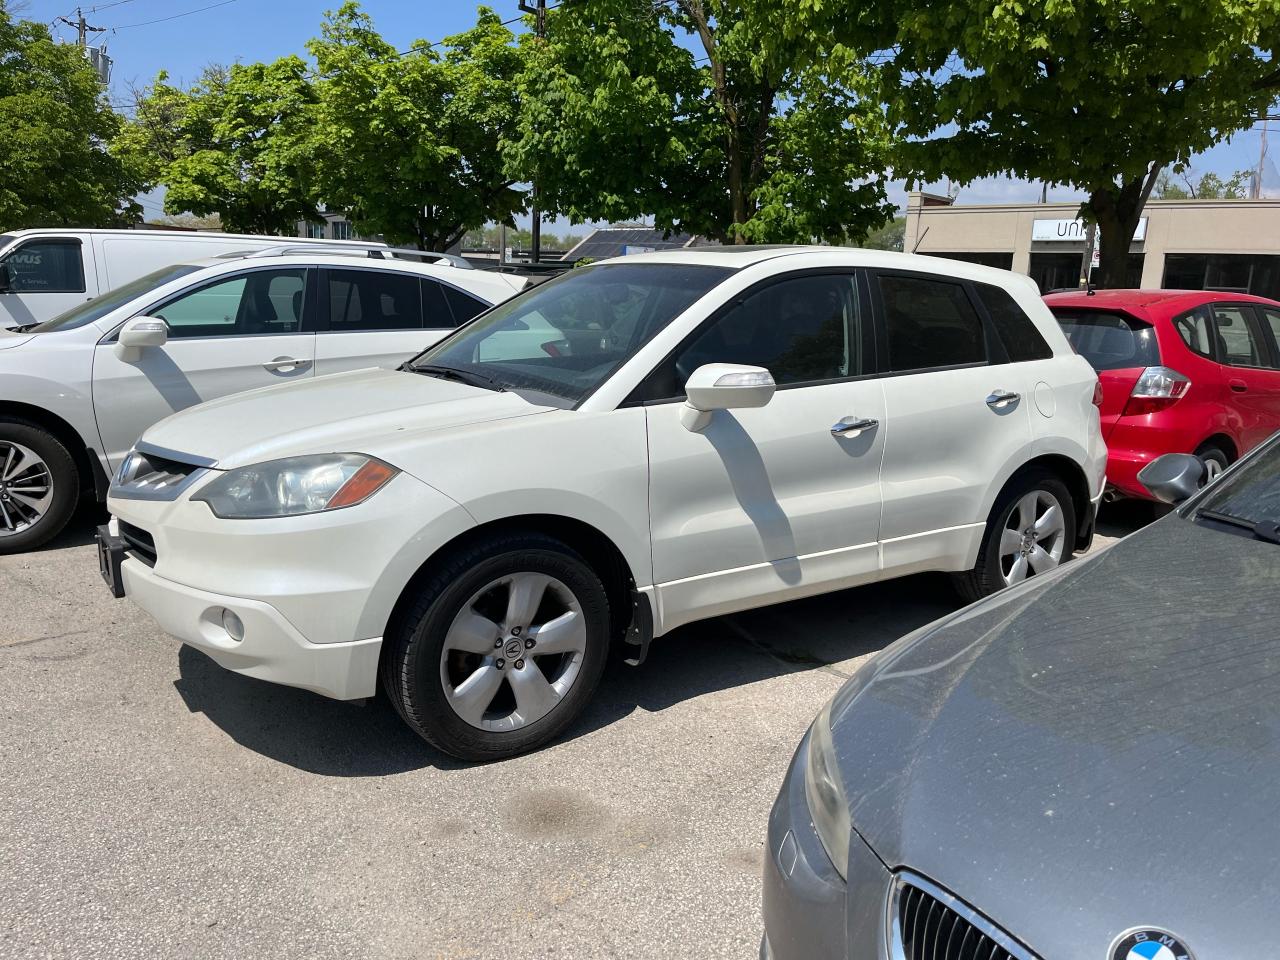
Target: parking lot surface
155	805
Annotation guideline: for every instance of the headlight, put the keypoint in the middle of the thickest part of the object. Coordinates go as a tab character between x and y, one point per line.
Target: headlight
825	793
298	485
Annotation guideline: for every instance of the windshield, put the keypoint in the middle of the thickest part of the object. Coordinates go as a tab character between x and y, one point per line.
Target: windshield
1110	341
5	240
100	306
1250	492
567	336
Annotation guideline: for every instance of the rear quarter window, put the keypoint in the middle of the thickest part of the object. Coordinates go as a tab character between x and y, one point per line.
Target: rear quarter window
1109	341
1022	341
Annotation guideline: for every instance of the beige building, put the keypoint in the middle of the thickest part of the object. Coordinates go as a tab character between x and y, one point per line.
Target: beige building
1231	245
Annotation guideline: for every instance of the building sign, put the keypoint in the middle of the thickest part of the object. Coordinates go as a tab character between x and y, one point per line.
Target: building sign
1072	231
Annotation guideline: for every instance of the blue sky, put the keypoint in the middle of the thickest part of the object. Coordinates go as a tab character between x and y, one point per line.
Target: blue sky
250	30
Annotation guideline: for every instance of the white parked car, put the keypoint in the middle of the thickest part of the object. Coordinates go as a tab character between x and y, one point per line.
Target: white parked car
45	272
78	390
690	433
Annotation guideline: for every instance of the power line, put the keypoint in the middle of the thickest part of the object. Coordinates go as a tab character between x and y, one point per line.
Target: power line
176	16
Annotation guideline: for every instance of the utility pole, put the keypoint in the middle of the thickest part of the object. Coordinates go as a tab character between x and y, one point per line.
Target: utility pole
1262	159
82	28
539	10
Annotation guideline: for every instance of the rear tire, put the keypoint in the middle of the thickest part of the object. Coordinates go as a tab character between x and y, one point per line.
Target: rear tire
1036	511
39	486
1215	459
463	665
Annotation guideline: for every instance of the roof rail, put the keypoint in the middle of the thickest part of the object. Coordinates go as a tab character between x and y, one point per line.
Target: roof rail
374	253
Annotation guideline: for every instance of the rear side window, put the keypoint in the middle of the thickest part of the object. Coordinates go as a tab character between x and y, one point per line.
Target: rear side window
1022	341
373	300
464	306
46	266
931	323
1110	341
1195	331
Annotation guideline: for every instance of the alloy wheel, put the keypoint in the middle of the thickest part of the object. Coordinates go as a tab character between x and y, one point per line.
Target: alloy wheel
1033	538
26	488
513	651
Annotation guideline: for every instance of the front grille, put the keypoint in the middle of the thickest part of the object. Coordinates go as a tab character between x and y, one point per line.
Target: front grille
151	474
931	924
139	543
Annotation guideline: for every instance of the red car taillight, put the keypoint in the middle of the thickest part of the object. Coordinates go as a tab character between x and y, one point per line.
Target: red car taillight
1157	389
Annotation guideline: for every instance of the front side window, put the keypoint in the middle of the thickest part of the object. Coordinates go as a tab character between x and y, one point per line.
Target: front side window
1239	341
103	304
931	323
45	266
373	300
262	302
567	336
801	330
1109	341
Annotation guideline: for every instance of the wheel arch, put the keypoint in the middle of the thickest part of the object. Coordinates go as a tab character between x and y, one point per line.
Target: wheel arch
1077	484
1224	442
91	480
595	547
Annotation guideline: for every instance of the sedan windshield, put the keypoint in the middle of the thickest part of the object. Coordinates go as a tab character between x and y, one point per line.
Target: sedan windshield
567	336
1249	494
100	306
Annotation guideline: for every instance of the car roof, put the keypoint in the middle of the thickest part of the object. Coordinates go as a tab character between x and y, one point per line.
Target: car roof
190	235
333	258
1143	299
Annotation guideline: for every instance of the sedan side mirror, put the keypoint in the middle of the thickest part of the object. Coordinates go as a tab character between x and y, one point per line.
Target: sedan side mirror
138	333
723	386
1174	477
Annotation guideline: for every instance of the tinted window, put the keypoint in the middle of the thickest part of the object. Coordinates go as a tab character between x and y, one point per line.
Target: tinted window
100	306
803	329
372	300
464	306
1195	330
46	266
1109	341
250	304
1272	319
1017	331
5	241
1239	340
931	323
435	308
566	336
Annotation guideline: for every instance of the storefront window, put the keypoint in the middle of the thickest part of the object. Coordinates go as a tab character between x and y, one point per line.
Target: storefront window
1228	272
1002	261
1061	271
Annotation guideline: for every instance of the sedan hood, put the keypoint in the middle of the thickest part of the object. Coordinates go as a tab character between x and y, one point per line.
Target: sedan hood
357	412
1095	753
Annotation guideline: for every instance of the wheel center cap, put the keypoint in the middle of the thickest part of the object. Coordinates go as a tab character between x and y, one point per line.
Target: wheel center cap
514	648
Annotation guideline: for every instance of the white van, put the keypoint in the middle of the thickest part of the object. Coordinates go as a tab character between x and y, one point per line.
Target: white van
44	272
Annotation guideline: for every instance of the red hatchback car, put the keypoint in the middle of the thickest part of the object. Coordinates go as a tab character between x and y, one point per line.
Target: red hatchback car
1181	371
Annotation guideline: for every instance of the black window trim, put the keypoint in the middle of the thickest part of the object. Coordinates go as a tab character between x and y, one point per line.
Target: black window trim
870	335
1273	341
1261	330
990	337
305	328
9	251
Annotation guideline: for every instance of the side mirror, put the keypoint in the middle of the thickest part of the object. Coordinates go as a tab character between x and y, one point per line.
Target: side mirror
1174	477
138	333
723	386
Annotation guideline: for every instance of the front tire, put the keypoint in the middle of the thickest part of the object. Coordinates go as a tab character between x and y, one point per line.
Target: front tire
502	649
1031	530
39	486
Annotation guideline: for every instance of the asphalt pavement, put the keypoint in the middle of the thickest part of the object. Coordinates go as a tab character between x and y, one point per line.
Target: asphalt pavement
155	805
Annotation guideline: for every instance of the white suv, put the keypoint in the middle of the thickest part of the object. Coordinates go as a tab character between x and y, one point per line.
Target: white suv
76	391
630	447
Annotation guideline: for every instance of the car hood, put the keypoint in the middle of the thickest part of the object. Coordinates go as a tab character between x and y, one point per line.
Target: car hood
358	412
9	338
1093	754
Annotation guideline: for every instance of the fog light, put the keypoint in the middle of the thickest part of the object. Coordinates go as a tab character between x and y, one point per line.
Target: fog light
233	625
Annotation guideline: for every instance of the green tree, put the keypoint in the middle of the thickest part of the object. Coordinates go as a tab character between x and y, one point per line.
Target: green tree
752	137
237	144
1098	94
1209	186
889	237
409	146
55	124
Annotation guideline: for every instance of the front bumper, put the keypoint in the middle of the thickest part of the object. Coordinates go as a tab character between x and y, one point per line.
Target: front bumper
271	648
810	911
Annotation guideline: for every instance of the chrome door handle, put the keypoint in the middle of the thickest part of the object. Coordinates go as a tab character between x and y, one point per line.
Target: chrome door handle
279	363
999	399
852	426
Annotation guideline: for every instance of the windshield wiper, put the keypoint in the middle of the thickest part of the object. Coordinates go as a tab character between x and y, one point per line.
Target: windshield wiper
462	376
1266	530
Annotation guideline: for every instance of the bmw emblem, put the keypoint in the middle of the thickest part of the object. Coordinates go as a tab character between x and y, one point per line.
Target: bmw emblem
1145	943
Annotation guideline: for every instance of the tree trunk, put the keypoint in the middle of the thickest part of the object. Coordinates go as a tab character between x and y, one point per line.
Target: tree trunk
1114	235
1117	209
